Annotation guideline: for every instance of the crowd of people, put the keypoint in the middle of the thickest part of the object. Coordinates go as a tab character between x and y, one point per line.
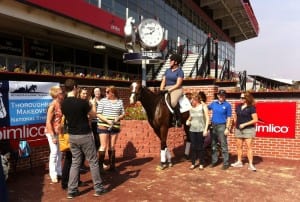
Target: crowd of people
93	119
93	125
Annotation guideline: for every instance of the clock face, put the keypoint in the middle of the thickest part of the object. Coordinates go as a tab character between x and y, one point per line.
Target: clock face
150	32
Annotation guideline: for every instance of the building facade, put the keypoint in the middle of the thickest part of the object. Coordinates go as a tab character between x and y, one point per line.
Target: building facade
58	37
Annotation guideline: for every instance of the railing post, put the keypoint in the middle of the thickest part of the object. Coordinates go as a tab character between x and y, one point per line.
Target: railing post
216	58
208	53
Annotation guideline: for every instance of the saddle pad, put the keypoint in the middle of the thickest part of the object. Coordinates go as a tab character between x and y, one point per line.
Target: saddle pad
185	104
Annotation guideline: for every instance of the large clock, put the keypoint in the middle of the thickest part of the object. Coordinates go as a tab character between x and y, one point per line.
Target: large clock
150	33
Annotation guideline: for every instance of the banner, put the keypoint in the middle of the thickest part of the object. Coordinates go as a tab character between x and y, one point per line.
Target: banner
276	119
23	109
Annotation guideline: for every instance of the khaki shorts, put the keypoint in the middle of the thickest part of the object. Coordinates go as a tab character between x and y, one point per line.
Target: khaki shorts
246	133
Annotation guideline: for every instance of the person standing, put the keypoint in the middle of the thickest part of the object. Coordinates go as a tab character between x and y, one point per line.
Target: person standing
52	130
221	123
245	119
3	187
172	83
110	111
198	121
96	100
83	94
76	112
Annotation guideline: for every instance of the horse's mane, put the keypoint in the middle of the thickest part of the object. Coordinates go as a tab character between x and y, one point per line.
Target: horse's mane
150	100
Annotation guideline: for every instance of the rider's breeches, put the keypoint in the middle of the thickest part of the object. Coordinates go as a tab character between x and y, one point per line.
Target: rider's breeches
175	95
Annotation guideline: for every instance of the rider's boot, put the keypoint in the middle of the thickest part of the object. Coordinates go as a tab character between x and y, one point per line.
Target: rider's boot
176	117
112	160
101	161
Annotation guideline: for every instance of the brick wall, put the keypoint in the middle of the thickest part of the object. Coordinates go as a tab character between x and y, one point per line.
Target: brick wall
137	138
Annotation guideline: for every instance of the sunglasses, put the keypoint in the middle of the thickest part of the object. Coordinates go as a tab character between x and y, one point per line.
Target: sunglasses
242	97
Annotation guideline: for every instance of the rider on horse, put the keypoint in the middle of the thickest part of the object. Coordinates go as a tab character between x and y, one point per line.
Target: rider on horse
172	83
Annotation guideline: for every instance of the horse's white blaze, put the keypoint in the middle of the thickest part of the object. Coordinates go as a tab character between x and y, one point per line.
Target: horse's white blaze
131	99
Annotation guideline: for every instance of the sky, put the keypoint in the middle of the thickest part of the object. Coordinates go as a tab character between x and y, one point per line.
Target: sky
275	53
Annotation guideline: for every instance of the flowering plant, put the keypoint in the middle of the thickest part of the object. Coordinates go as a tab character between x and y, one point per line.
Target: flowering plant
135	112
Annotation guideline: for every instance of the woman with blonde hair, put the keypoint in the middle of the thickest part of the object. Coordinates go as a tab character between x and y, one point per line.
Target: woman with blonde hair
52	130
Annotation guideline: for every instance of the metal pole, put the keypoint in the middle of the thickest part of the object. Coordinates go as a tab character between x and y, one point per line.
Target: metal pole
144	61
216	58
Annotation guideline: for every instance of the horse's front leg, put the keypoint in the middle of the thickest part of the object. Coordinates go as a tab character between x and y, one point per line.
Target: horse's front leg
163	155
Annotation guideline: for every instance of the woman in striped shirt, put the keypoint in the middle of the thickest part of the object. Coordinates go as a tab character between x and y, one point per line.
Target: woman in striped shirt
110	111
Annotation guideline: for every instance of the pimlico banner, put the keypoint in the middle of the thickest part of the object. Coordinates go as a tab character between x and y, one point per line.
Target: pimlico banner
276	119
23	109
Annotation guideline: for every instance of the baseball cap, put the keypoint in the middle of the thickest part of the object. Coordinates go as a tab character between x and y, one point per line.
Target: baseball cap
222	92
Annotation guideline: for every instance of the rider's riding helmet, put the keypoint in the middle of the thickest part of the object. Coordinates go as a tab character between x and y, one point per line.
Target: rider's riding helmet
177	58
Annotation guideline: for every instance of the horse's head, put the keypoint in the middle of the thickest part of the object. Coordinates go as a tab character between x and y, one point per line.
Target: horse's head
135	91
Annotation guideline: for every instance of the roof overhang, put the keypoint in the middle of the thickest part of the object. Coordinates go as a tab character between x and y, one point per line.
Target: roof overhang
235	17
270	82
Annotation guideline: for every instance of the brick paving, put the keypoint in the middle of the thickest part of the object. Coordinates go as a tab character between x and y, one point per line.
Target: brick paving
139	179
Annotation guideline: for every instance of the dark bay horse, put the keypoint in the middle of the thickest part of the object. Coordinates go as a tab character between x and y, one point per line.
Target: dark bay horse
159	116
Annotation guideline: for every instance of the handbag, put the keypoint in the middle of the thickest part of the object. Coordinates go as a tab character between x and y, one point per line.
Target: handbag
64	144
63	138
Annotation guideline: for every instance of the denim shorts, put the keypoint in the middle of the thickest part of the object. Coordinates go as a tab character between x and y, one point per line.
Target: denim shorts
113	131
246	133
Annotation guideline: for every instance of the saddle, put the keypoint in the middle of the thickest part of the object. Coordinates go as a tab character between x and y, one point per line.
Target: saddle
184	103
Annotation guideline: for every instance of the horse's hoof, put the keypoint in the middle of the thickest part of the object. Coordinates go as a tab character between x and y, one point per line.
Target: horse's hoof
163	166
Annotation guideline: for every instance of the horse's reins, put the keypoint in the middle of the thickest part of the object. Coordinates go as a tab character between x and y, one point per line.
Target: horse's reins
168	104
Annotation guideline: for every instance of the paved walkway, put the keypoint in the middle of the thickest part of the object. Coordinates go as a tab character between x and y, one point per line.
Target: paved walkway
140	180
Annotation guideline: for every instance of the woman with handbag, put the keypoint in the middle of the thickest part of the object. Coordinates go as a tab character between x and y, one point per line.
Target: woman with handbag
198	122
52	130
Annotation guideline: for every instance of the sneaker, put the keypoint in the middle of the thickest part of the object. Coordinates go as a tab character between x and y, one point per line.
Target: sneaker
251	167
192	167
54	180
72	195
225	167
237	164
201	167
105	166
101	191
213	165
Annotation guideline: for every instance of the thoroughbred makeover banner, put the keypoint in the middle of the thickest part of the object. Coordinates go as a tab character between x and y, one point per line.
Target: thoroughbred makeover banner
276	119
23	108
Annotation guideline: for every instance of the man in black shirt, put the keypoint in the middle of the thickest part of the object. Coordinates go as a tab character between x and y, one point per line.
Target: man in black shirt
76	112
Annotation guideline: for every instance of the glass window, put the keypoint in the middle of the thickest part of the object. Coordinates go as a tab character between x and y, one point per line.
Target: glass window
82	58
58	69
94	2
63	54
3	66
97	60
120	10
15	64
46	68
31	66
107	5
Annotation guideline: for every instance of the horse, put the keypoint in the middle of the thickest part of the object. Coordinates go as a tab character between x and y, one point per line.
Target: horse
159	117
